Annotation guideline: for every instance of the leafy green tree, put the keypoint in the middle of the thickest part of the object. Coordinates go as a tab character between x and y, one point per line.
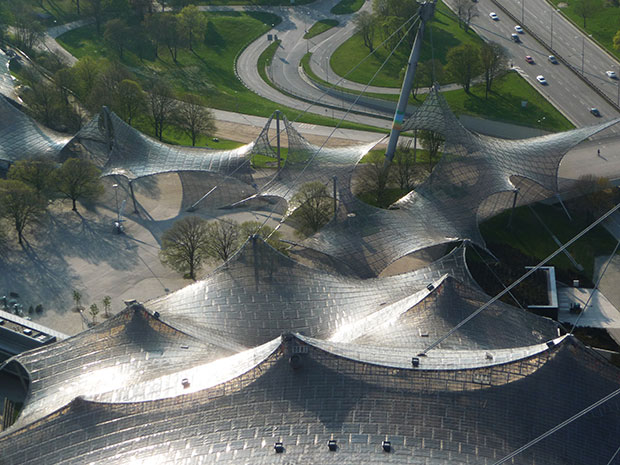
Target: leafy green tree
36	174
86	71
222	239
365	24
192	24
374	177
94	311
78	179
107	303
464	64
194	118
21	205
77	298
314	207
117	33
616	40
184	245
271	236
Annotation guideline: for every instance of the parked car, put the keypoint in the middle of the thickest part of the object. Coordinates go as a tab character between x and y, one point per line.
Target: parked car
553	59
611	74
540	78
494	16
529	59
515	37
519	29
595	111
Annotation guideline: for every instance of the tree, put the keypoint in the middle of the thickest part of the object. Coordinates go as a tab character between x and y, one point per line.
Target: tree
617	40
374	177
21	205
193	24
313	206
194	118
162	106
86	72
107	303
586	8
256	228
44	102
117	34
222	239
77	6
107	85
466	10
35	173
94	311
427	73
77	297
131	100
184	245
78	179
28	31
96	9
432	141
493	58
365	26
464	64
405	164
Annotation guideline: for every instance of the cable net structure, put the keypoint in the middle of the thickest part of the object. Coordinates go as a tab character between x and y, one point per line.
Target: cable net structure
22	138
477	177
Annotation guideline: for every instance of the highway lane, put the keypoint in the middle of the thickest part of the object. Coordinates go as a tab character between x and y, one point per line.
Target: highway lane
564	89
569	42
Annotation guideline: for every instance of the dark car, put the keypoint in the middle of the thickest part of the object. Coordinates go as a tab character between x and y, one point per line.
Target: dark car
595	111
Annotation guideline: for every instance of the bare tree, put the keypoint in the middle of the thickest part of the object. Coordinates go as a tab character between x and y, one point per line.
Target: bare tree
493	58
222	239
21	205
28	31
78	179
466	10
586	8
131	100
117	33
314	206
405	166
194	118
96	9
365	24
464	64
432	141
374	177
162	106
183	246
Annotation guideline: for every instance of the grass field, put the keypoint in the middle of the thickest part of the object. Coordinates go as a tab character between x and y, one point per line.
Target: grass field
445	35
603	23
209	71
345	7
320	27
528	236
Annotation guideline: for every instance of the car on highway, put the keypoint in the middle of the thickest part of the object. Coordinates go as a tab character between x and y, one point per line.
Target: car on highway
595	111
611	74
494	16
540	78
519	29
553	59
515	37
529	59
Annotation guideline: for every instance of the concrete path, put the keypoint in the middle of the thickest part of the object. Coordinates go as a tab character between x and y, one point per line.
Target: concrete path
600	312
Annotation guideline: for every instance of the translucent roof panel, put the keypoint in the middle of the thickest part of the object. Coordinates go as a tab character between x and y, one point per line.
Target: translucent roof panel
302	393
21	137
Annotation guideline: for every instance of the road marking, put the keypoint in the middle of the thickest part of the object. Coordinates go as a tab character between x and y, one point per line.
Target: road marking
306	126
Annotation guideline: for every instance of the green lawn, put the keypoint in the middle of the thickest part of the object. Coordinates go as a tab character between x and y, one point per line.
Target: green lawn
345	7
209	71
320	27
252	2
445	35
528	236
603	24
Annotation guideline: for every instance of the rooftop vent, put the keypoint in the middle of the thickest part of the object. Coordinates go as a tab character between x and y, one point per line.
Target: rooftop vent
489	356
415	361
550	344
332	446
278	447
430	287
156	315
185	383
295	361
387	446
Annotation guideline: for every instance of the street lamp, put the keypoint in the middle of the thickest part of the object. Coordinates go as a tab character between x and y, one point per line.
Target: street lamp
522	11
552	14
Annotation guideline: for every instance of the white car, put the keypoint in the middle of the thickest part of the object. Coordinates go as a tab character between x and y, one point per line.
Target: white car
519	29
611	74
540	78
494	16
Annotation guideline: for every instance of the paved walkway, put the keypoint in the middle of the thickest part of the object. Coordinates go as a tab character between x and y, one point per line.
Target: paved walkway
600	313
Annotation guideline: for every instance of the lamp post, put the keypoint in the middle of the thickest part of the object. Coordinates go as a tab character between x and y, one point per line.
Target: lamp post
115	186
522	11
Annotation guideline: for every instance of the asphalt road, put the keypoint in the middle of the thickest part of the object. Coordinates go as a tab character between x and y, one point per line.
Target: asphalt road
564	89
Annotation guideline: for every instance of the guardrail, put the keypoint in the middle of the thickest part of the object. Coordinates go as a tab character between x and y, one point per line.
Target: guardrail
589	83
